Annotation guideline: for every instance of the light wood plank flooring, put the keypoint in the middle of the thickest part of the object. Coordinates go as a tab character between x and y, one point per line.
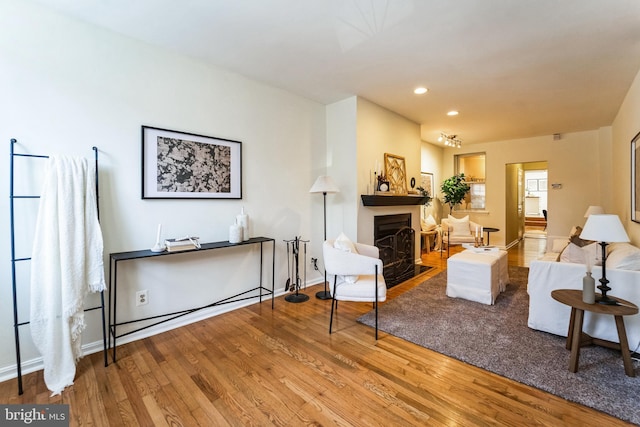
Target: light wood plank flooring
255	366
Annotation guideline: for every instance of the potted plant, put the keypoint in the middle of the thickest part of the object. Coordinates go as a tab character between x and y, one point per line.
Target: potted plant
454	190
424	193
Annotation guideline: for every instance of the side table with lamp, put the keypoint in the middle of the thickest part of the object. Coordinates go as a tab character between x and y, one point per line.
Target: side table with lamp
604	229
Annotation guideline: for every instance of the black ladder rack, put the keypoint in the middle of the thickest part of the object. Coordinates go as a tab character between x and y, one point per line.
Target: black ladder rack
14	260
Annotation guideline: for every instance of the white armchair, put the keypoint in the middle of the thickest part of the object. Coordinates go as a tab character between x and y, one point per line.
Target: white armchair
458	231
357	275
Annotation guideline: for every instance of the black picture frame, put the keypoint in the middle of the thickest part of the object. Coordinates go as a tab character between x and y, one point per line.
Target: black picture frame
182	165
635	179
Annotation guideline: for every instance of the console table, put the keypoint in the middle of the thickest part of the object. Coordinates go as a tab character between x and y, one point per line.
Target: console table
115	258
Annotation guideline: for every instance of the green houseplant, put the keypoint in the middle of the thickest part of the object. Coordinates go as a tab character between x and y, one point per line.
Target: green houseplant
454	190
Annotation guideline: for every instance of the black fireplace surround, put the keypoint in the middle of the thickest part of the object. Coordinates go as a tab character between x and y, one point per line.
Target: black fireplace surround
395	238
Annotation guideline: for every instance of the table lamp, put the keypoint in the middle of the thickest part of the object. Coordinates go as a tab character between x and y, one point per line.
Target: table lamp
594	210
605	229
324	184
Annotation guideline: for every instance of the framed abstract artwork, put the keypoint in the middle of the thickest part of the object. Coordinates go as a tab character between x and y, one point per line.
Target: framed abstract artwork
426	182
180	165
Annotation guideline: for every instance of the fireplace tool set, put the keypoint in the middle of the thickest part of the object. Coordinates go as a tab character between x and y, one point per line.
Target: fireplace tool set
294	283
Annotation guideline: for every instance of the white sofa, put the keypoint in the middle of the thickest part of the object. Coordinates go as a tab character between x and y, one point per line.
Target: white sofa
547	274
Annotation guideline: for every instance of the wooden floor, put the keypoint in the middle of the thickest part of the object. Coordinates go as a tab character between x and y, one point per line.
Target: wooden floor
255	366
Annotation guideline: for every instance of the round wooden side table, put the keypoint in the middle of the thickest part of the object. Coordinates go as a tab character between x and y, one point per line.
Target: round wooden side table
490	230
575	336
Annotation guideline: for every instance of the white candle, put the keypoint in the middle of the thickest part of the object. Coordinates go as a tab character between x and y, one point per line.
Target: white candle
159	232
476	231
481	231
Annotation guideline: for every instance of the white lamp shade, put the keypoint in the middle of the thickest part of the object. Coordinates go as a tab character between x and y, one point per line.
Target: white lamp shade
604	228
594	210
324	184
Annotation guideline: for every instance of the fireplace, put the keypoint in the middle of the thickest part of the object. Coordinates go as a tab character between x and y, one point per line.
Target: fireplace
395	238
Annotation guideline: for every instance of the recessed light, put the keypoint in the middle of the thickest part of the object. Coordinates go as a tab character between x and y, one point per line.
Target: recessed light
420	90
452	113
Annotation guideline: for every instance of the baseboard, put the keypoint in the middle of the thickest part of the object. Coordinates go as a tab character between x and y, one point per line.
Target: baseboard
36	364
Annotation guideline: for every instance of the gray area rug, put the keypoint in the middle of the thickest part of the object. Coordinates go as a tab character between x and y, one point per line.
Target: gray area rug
497	338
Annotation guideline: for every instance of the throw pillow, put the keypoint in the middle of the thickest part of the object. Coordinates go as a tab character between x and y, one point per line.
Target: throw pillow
424	226
623	256
345	244
430	220
581	255
453	219
459	226
572	253
575	231
576	240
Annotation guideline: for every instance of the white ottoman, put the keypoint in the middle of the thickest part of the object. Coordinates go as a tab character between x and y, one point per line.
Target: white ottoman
477	277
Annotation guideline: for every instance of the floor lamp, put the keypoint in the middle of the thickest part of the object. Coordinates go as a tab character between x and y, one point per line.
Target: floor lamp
324	184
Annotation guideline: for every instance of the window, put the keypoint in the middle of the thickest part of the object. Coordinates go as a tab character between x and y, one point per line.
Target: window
473	168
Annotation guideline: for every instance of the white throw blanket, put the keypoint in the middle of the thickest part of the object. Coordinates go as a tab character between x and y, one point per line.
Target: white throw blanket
66	264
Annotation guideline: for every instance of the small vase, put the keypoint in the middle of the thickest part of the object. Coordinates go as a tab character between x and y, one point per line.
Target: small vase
588	289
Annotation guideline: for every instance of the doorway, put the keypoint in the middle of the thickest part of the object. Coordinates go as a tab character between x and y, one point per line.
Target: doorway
525	201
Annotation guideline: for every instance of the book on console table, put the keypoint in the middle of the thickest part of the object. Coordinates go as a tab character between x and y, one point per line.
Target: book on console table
182	248
182	244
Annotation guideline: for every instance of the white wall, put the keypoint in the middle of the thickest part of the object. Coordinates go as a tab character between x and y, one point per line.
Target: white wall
431	162
341	156
382	131
67	86
625	127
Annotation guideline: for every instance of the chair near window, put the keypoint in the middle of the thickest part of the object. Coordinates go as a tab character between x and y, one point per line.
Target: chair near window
357	274
458	231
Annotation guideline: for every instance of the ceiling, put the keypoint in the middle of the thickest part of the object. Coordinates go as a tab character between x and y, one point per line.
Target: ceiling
513	69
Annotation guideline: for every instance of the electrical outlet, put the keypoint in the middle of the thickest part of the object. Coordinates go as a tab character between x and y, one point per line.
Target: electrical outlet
142	298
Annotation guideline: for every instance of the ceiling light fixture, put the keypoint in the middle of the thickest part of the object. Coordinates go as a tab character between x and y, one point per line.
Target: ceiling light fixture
420	90
450	140
452	113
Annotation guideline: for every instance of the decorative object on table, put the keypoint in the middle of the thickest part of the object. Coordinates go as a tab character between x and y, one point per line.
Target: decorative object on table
454	189
186	243
479	237
158	247
588	289
396	174
324	184
243	221
235	233
605	229
294	282
180	165
383	184
635	188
